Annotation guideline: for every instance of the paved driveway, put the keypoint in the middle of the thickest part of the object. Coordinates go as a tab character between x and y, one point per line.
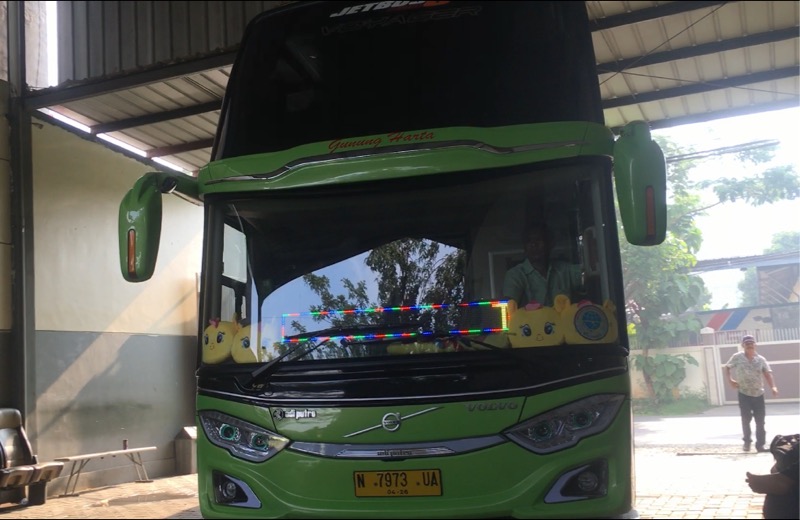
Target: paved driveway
686	467
694	467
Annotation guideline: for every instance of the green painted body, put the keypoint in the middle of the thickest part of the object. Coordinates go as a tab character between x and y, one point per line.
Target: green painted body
502	480
640	160
547	141
639	166
536	433
140	229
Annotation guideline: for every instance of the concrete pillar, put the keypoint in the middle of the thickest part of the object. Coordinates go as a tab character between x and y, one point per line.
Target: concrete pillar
5	246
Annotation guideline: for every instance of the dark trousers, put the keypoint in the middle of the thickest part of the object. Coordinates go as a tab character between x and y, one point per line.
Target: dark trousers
752	408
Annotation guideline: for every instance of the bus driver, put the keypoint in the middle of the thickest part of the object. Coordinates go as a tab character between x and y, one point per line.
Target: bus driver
538	278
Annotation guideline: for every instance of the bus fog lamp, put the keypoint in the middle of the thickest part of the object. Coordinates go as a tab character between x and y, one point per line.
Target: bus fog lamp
581	483
588	481
231	491
228	491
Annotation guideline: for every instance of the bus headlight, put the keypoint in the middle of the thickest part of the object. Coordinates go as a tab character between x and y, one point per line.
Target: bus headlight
242	439
564	426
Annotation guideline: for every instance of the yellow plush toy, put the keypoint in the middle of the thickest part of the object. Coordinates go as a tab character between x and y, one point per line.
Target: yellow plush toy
240	350
218	340
586	322
536	325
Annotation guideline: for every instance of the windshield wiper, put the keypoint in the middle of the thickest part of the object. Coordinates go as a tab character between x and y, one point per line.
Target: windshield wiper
267	369
443	335
385	332
371	331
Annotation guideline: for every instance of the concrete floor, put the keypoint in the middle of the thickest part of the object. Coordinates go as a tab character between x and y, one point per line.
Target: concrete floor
686	467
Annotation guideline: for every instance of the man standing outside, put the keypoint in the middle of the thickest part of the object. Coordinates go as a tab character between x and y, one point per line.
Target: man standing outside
744	372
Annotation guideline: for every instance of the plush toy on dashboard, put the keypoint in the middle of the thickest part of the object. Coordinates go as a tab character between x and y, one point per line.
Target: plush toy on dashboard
536	325
218	340
240	348
587	322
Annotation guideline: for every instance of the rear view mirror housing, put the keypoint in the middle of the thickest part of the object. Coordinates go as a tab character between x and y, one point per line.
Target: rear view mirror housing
140	229
140	213
640	175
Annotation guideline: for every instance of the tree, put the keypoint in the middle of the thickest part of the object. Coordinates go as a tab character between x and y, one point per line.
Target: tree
783	242
658	287
408	272
659	291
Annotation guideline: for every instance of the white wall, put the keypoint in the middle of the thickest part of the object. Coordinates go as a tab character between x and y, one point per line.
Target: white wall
696	381
78	186
109	360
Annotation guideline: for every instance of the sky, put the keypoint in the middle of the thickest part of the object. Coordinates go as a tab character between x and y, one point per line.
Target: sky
739	229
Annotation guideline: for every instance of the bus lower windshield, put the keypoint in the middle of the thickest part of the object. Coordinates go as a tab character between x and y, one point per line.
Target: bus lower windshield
398	268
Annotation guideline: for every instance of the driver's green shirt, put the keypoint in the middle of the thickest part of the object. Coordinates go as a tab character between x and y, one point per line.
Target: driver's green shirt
524	284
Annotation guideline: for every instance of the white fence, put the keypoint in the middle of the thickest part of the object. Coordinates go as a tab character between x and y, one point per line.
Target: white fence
707	378
734	337
725	337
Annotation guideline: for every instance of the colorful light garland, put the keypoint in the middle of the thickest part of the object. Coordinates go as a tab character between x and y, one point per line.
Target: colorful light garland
499	304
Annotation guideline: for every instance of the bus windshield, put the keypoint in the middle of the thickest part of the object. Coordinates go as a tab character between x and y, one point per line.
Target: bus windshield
392	268
327	70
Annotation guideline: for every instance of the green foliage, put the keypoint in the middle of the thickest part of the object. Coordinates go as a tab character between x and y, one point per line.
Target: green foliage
748	287
777	183
783	242
686	405
665	371
660	294
408	272
658	287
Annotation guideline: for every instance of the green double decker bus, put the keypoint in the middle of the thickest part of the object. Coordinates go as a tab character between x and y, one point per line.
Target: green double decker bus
374	170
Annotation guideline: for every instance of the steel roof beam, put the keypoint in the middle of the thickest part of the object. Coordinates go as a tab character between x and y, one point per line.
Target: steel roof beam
61	94
159	117
698	88
699	50
649	13
743	262
94	139
179	148
718	114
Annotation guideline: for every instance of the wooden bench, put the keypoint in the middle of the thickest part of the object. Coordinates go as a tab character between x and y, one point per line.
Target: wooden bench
22	476
80	461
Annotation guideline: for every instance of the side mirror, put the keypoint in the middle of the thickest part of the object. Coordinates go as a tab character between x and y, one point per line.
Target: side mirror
640	174
140	229
140	220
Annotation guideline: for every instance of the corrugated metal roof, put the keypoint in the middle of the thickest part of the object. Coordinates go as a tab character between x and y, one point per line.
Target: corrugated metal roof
686	65
668	63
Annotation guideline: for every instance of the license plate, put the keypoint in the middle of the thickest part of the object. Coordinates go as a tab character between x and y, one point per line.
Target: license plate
409	483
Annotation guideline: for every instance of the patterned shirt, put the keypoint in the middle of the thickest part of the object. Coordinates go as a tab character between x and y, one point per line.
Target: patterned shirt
749	373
